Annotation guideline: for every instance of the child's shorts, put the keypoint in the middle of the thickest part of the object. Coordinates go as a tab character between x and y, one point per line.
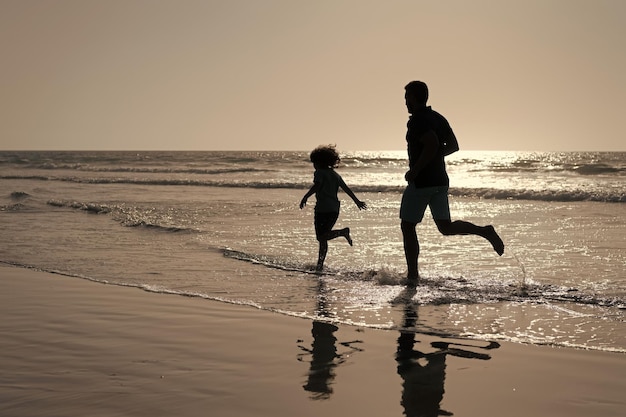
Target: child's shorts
324	223
415	200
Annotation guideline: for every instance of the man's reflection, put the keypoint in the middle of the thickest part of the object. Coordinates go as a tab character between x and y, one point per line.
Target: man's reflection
323	351
423	374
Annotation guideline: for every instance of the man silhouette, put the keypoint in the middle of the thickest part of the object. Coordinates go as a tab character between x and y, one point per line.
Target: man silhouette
429	139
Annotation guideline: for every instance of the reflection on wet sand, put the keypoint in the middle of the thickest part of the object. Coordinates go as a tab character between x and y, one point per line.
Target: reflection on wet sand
422	369
423	374
324	357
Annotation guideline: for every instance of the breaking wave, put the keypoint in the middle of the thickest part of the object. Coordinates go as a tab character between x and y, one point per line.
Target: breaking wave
570	195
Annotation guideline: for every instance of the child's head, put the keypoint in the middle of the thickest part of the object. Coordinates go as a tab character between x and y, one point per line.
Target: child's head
325	156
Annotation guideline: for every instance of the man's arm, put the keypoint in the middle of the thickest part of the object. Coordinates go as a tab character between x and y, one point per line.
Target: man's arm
450	144
431	145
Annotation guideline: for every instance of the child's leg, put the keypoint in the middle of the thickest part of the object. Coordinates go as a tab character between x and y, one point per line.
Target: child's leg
345	232
322	255
324	223
333	234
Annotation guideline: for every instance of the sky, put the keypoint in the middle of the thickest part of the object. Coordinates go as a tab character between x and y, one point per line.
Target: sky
536	75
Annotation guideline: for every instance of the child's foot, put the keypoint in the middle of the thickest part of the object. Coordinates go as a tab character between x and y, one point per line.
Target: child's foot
494	239
346	233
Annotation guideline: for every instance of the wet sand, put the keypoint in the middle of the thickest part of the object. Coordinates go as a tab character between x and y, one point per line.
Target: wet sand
71	347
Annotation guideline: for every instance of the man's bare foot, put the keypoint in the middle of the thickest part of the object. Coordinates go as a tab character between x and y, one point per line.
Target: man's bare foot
346	233
494	239
412	282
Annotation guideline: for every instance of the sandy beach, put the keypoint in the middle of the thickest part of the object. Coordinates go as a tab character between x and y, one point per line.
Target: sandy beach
71	347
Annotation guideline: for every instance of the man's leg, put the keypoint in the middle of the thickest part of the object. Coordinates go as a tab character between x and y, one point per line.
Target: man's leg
411	249
440	210
412	208
460	227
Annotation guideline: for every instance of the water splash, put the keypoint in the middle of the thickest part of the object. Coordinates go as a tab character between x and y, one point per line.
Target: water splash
523	286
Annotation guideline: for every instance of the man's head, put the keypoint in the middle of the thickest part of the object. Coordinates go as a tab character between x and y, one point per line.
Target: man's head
416	95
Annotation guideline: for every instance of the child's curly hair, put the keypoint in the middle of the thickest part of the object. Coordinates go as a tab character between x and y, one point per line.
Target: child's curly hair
325	155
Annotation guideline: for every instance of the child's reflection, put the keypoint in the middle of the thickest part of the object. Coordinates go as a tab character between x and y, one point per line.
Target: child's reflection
323	351
423	374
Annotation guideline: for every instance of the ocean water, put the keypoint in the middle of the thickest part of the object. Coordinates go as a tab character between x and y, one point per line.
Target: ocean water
226	226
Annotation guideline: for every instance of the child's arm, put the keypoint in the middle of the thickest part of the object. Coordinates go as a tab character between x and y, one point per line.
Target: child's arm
360	204
308	194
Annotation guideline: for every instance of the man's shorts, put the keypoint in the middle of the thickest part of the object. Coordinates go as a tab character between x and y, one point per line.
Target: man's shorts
324	223
415	200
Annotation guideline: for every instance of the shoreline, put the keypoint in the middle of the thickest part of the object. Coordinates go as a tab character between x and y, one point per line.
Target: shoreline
72	347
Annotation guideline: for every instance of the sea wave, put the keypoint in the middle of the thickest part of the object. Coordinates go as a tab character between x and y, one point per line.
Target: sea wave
88	207
540	195
411	298
11	207
148	170
128	217
444	290
520	167
570	195
19	195
598	169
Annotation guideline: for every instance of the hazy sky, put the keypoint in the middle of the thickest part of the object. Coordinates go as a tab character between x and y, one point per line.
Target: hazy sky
291	74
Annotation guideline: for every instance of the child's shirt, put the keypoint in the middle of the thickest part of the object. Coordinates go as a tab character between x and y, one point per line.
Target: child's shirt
326	195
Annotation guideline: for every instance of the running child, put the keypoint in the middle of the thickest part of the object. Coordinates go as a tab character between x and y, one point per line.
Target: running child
326	183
